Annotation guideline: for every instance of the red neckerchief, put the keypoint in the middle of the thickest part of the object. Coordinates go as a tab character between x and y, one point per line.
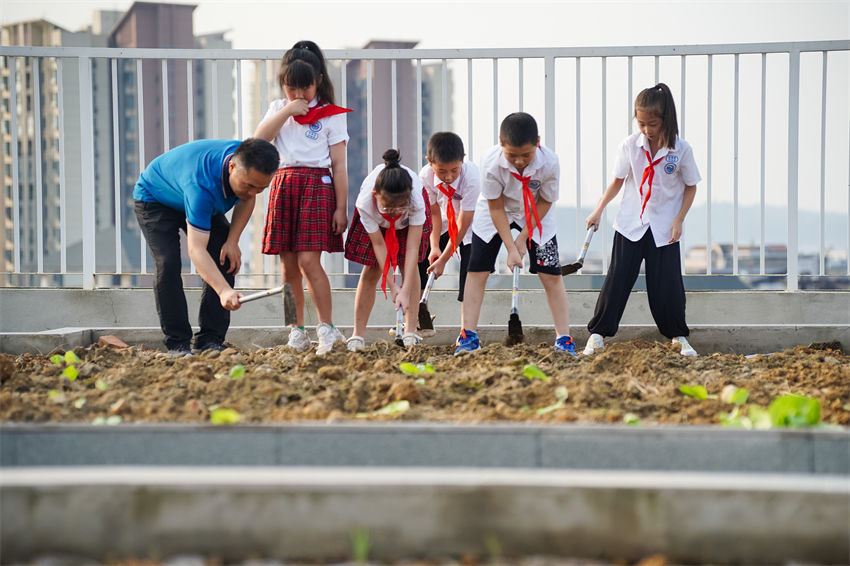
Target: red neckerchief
450	214
316	113
392	249
648	173
529	205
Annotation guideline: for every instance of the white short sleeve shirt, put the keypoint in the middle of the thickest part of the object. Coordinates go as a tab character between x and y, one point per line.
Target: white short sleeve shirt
467	189
370	212
677	170
496	180
307	145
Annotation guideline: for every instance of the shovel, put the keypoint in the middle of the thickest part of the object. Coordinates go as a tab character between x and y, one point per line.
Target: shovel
399	322
514	324
289	315
426	325
573	267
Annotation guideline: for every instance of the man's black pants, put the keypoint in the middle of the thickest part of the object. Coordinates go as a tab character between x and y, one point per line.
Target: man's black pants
161	226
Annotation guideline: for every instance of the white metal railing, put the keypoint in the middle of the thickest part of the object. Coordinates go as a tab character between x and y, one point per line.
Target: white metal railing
582	98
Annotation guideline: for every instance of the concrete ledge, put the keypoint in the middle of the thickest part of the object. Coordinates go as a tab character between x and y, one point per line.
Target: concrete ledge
563	447
233	514
724	338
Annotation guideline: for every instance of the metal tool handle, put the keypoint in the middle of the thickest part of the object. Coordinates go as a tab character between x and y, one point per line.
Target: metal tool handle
428	286
399	318
587	239
515	290
261	294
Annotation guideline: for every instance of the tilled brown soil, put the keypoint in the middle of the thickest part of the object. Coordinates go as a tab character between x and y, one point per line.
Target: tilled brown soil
635	379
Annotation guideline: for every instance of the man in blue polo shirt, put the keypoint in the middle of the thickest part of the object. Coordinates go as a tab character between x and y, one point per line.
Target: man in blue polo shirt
190	188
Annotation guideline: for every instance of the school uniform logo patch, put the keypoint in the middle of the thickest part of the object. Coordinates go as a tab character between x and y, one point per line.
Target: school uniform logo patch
670	168
457	197
313	130
534	184
672	158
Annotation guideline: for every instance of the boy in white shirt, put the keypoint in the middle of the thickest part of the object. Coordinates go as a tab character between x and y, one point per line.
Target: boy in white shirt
453	188
519	185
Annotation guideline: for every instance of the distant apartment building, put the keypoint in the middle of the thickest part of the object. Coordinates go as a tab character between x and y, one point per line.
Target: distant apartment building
147	125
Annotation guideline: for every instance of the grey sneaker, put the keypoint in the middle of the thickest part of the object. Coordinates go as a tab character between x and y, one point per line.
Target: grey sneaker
355	344
328	336
687	349
594	344
299	340
411	339
178	352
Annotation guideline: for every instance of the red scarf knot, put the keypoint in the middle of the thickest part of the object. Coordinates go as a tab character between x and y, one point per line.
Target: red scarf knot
450	214
316	113
648	174
529	205
392	249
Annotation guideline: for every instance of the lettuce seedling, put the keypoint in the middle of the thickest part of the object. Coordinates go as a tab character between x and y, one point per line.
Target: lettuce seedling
360	545
410	369
101	385
80	402
224	417
71	357
531	371
57	359
391	409
561	395
70	372
794	411
695	391
110	421
631	419
237	372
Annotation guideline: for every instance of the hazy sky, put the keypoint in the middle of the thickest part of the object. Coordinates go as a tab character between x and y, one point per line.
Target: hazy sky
491	23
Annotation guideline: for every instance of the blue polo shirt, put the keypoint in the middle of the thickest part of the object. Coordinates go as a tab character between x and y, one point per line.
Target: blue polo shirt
191	178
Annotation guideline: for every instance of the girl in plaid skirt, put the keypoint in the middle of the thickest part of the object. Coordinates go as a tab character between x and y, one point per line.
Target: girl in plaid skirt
308	197
389	229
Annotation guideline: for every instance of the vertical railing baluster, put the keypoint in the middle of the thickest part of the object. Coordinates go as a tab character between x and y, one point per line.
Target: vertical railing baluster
166	121
87	200
793	166
762	183
140	112
394	103
735	165
709	106
63	190
116	165
39	199
369	160
822	218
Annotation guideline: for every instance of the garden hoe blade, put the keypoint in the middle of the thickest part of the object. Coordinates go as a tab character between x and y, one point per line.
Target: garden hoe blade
426	325
289	315
573	267
514	324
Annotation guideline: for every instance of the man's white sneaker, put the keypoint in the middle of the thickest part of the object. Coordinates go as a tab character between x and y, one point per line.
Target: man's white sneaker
328	336
594	344
355	344
687	349
298	340
411	339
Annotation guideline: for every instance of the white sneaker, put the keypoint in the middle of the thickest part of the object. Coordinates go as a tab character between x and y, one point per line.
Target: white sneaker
411	339
328	336
594	344
355	344
298	340
687	349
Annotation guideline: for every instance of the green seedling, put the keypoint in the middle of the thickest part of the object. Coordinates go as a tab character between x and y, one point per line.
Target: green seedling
391	409
794	411
420	381
411	369
110	421
224	416
70	372
53	393
101	385
531	371
57	359
79	403
71	357
237	372
695	391
561	395
631	419
360	545
732	394
494	548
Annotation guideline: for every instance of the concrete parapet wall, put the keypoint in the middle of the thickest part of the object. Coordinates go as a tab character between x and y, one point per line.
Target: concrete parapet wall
311	513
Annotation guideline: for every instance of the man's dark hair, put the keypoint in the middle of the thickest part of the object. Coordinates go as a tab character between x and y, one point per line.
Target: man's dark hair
254	153
518	129
445	147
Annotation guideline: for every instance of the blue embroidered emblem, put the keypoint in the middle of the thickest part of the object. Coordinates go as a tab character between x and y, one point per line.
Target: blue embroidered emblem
670	168
672	158
534	184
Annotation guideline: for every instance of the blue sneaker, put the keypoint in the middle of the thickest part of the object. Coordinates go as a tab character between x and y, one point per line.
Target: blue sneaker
467	342
565	344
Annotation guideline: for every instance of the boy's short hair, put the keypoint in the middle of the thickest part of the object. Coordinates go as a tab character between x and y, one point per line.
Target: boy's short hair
518	129
445	147
258	154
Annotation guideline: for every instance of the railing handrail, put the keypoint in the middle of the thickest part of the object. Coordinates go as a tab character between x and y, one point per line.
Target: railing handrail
449	53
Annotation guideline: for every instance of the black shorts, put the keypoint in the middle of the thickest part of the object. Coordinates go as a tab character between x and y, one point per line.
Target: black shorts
464	250
542	259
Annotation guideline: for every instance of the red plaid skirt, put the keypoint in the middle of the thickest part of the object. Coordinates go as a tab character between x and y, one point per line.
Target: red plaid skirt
300	213
358	246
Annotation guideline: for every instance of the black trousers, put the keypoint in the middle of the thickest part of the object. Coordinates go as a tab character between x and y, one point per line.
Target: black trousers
664	286
161	226
464	250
